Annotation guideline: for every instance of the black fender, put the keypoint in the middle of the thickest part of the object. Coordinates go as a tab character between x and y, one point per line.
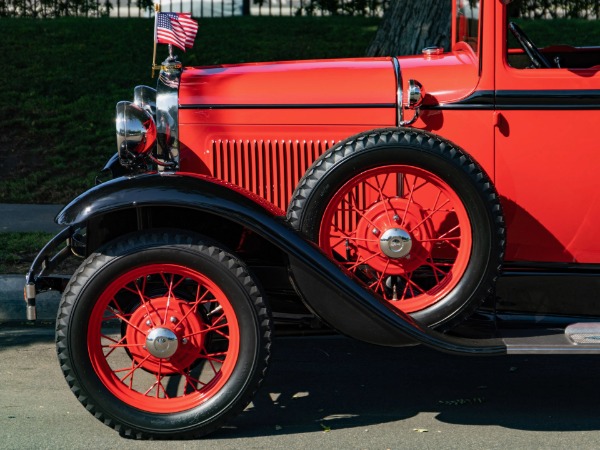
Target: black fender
330	292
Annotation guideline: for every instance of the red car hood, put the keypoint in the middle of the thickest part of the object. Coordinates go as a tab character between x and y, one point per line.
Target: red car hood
344	82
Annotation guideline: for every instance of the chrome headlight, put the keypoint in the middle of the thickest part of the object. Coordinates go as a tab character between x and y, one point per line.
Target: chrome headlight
136	133
145	98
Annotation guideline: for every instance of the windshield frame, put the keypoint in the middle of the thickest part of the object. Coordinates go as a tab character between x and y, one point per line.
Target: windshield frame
467	24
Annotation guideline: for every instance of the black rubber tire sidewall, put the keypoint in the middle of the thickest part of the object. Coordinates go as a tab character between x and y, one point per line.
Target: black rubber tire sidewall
449	163
210	414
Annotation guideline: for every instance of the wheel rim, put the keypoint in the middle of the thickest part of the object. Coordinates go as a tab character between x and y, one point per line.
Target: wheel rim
402	230
163	338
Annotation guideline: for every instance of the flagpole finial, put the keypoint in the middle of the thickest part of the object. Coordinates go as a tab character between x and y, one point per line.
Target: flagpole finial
157	7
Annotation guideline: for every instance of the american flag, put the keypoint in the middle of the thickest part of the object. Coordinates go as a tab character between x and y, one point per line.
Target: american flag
178	29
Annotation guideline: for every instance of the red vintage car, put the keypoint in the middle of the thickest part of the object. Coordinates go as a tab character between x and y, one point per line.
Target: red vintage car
441	199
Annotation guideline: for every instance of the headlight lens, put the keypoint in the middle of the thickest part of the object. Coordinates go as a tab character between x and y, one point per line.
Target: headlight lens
136	133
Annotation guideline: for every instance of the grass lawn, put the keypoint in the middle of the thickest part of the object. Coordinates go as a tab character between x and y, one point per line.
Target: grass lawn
62	79
65	77
17	250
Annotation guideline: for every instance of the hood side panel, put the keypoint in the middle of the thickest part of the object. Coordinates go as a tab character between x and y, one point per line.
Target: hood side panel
347	82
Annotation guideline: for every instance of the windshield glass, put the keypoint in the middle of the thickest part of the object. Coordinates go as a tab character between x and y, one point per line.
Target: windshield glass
555	37
467	23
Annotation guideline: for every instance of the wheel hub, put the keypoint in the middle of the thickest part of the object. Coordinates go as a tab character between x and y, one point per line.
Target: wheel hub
402	230
161	343
165	345
393	236
395	243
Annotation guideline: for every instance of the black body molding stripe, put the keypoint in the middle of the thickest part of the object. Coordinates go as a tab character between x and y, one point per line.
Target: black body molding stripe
478	100
525	100
546	99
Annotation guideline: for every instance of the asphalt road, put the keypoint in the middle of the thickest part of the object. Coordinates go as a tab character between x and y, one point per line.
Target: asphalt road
333	393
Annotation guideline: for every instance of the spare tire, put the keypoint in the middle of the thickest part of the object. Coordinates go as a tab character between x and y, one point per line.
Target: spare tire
409	214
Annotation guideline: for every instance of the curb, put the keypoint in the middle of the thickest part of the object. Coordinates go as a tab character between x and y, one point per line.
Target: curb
12	305
26	218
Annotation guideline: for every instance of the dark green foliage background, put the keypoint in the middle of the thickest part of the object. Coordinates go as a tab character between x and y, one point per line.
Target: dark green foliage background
62	78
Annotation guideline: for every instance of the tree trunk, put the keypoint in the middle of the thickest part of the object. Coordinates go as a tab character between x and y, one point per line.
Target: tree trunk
245	7
408	26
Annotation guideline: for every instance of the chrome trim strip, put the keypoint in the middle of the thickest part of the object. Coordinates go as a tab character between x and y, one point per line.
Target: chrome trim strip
45	261
398	73
552	344
167	112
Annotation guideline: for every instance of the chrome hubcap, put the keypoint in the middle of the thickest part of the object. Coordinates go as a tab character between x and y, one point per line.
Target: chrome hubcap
161	343
395	243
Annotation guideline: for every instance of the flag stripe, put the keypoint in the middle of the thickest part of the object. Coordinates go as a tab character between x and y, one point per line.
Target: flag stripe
178	29
190	26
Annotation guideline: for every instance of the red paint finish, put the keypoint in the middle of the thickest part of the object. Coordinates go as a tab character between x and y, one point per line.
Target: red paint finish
546	163
268	162
260	126
247	123
446	78
346	81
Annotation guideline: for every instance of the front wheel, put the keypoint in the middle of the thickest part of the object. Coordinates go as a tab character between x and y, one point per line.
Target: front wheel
411	215
163	335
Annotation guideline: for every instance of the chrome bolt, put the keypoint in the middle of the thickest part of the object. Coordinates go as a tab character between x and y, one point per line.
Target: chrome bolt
149	322
396	217
173	319
375	231
184	341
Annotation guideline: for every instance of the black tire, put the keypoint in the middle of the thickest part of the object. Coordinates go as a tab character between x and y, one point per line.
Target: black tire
197	337
326	209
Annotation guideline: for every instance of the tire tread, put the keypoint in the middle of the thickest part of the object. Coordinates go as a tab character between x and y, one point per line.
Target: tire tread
421	141
98	260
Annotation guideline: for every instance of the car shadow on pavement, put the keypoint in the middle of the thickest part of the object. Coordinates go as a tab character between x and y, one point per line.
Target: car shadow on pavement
333	383
21	334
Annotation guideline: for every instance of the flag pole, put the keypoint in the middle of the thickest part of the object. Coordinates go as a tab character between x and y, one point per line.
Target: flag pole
156	11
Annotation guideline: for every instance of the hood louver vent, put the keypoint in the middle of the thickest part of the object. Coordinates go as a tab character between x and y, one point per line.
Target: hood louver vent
268	168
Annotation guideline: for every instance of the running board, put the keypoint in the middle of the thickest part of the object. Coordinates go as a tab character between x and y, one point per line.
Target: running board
577	338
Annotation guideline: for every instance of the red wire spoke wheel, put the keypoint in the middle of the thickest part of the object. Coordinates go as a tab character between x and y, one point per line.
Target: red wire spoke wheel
402	230
163	334
411	216
180	341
